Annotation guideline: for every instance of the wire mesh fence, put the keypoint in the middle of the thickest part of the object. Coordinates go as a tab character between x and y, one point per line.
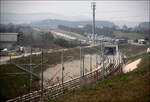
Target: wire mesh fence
69	69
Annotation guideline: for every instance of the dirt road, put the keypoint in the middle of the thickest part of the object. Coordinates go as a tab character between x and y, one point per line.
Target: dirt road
71	70
5	59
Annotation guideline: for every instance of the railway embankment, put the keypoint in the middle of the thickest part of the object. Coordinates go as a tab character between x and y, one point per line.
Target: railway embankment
126	87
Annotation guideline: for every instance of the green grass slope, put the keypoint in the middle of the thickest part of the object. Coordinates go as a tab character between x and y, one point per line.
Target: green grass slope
14	82
134	36
131	87
129	49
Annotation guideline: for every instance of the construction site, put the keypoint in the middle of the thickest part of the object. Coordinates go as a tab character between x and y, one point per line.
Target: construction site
41	63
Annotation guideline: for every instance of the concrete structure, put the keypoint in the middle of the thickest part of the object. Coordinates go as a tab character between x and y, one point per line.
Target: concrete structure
8	40
148	50
111	49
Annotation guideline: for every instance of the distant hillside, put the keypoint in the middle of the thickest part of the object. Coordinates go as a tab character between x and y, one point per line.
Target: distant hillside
144	25
53	23
19	18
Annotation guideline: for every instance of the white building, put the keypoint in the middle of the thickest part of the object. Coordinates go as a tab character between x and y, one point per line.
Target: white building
8	40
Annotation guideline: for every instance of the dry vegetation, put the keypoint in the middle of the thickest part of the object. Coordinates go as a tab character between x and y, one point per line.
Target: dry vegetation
129	50
13	85
131	87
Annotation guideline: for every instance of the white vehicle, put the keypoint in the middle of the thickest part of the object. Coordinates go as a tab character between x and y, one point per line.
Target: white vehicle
21	49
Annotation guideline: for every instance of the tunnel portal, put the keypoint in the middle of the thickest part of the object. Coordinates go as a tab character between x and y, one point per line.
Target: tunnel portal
110	49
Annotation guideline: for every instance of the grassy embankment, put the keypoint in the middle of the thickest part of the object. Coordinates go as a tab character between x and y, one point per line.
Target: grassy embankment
129	50
13	85
134	36
130	87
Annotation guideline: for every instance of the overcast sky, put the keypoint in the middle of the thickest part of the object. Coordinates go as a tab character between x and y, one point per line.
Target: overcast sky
105	10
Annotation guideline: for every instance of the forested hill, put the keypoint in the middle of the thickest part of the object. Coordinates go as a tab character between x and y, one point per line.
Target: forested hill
55	22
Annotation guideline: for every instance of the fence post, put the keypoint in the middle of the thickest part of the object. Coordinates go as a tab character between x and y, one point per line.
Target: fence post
96	61
80	61
83	65
90	63
62	62
42	75
102	49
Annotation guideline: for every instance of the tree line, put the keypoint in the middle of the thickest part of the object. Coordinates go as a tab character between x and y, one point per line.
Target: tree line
36	38
142	28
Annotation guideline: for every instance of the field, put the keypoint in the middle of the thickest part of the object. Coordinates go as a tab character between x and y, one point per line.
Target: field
129	49
15	82
71	70
134	36
130	87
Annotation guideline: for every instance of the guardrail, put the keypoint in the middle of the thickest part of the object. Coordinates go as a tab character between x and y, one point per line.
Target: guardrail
112	68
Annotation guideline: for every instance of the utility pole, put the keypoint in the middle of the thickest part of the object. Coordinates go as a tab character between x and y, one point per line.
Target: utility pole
91	63
31	64
42	75
113	56
31	69
93	23
83	65
62	62
80	61
102	49
96	61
